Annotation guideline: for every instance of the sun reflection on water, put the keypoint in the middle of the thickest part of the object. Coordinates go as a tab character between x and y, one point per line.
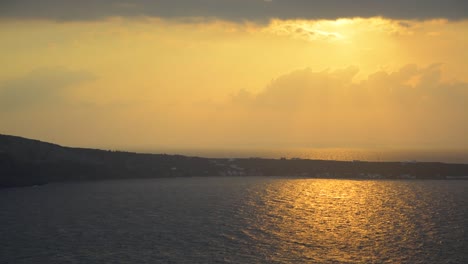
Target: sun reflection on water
342	221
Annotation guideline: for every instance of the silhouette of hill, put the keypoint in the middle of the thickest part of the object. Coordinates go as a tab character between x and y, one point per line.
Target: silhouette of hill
29	162
26	162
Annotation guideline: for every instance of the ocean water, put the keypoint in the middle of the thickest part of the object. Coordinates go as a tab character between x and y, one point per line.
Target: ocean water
236	220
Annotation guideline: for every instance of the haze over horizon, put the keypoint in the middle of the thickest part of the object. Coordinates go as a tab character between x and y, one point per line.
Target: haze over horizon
236	74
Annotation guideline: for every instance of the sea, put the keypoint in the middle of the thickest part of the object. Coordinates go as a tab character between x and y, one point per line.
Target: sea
236	220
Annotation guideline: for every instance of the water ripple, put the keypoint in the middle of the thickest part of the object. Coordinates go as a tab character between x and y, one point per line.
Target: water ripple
236	220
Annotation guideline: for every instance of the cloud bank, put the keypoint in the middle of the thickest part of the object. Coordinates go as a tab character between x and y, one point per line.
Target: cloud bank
412	107
236	10
409	107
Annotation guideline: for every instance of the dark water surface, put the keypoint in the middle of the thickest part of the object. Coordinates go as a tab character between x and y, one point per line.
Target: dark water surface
236	220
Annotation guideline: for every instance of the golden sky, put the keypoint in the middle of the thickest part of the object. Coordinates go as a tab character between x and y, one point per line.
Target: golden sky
132	81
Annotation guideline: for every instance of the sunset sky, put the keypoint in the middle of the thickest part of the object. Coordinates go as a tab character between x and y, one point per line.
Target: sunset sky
127	74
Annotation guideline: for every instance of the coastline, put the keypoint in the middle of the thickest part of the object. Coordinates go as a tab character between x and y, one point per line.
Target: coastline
26	162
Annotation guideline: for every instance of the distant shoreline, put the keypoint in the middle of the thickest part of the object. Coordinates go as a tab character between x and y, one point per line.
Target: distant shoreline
455	156
27	162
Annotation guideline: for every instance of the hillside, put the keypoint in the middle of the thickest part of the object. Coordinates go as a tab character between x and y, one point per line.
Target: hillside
28	162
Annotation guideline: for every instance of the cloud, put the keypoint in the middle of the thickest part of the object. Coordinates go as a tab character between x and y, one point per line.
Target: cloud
412	107
409	107
301	30
236	10
412	82
41	87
